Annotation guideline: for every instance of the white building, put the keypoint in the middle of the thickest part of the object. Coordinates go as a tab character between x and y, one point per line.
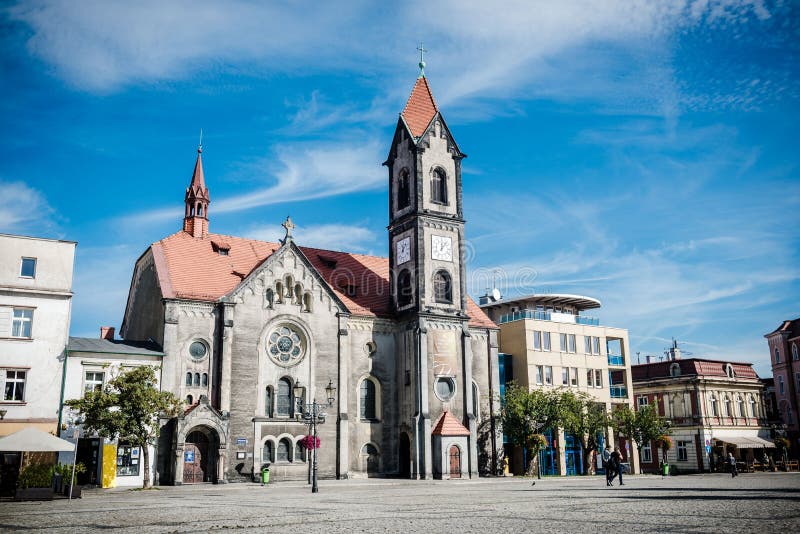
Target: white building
91	363
35	303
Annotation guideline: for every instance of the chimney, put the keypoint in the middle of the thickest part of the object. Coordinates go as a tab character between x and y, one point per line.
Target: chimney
107	332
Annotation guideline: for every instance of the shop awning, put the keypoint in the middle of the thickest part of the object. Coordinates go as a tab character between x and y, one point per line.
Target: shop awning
34	440
747	442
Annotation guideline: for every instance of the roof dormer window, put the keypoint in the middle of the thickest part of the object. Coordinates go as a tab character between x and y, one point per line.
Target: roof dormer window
221	247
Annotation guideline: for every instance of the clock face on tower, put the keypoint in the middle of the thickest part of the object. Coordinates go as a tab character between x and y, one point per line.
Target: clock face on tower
403	250
441	248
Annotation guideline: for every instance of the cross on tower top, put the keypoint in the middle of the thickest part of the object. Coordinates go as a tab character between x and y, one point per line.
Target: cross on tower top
422	51
288	225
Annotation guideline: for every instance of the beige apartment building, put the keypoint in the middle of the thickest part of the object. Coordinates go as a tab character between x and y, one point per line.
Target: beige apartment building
551	343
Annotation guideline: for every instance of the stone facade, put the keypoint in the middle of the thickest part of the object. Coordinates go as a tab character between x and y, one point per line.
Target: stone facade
245	324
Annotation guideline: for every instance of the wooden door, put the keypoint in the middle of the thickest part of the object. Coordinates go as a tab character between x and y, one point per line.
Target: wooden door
195	459
455	462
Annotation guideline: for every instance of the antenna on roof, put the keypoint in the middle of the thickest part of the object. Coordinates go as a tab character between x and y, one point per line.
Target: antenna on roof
638	359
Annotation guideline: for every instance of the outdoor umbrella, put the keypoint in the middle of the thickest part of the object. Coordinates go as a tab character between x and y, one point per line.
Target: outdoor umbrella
33	440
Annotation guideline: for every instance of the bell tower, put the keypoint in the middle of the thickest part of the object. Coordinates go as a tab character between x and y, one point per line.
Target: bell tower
426	225
195	220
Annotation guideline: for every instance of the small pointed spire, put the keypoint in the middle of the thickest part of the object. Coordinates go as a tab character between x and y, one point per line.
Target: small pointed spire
422	51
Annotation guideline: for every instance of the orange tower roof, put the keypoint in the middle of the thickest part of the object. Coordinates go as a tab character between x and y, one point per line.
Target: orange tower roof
448	425
420	108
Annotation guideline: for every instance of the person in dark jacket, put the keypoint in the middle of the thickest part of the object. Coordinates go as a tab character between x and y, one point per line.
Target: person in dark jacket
616	465
732	462
607	465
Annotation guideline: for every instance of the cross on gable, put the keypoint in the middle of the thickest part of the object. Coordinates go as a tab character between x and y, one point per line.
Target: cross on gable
288	225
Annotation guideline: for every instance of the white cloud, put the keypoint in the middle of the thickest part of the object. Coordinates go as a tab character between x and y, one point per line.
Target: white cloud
342	237
298	172
23	209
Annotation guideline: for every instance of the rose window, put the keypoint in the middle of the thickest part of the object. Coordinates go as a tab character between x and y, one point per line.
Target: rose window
286	345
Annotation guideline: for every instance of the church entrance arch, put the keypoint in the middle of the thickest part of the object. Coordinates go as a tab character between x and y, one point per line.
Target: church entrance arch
405	456
200	453
455	462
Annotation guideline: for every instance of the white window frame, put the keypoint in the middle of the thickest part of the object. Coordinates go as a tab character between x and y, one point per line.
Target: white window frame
22	321
94	383
562	342
590	378
647	453
598	378
574	377
546	341
683	451
595	345
548	375
572	344
537	340
641	402
714	408
15	380
22	263
587	344
565	376
539	375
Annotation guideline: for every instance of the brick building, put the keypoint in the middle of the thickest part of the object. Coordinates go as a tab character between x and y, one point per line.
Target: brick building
784	350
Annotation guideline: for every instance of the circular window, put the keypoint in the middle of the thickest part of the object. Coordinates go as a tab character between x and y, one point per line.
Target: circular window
445	388
198	350
370	348
286	345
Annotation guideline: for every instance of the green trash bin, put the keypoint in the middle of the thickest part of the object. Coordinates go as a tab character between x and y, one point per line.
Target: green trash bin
265	475
664	469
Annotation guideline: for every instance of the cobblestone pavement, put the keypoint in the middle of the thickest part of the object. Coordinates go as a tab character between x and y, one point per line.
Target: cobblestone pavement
762	503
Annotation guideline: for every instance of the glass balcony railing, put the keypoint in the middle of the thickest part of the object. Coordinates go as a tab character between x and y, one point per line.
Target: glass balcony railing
616	359
619	392
541	315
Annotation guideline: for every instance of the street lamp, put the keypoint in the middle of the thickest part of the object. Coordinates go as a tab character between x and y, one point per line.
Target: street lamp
314	415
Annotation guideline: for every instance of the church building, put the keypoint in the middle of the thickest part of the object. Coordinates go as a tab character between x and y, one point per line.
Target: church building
400	357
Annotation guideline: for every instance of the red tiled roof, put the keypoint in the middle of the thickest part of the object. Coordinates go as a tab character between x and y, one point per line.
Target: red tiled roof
792	327
190	268
448	425
699	367
420	108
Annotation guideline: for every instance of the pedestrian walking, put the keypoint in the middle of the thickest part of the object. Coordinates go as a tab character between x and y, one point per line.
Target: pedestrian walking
732	462
607	465
616	463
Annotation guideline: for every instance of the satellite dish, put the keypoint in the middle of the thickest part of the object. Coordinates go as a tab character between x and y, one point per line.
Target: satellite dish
496	294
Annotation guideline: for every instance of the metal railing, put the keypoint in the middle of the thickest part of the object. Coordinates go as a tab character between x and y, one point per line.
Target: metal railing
616	359
541	315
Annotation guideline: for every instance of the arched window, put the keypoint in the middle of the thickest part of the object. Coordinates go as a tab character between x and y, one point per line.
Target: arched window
714	409
740	407
675	369
795	354
299	453
189	400
403	190
188	379
283	450
298	294
442	287
753	408
197	379
729	371
279	292
204	379
307	302
268	402
284	400
404	289
269	295
777	355
266	452
476	406
727	407
367	400
370	453
439	186
199	210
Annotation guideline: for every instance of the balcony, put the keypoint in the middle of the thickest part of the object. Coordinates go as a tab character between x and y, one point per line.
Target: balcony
619	392
616	359
557	317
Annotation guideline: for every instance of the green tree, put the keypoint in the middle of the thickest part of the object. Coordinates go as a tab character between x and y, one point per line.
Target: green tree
128	408
583	418
525	414
641	426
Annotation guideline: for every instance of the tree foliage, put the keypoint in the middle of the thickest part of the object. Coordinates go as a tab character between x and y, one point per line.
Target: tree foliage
584	418
641	426
128	408
526	413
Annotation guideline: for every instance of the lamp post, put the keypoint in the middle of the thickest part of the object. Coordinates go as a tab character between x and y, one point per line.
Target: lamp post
314	415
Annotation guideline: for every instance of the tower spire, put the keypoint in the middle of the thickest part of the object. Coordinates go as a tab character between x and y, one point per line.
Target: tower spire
422	51
195	220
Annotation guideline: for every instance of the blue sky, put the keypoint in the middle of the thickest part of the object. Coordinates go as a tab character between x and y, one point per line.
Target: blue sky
644	153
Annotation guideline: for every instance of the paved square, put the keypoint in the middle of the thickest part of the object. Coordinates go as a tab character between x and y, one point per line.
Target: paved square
760	503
